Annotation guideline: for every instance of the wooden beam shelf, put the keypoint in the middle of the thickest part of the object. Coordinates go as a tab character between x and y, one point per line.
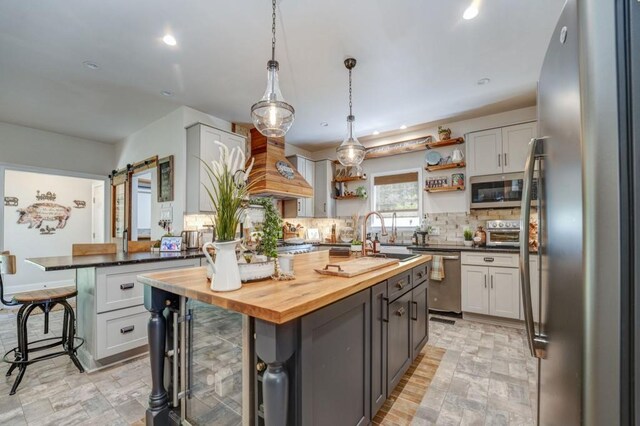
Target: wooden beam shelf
458	165
446	142
349	197
349	179
446	188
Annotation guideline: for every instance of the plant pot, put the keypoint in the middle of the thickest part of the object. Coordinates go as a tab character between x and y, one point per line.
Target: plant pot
256	270
223	272
444	136
468	243
356	247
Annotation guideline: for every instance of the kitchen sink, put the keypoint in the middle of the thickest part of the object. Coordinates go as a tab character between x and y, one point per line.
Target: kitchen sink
402	257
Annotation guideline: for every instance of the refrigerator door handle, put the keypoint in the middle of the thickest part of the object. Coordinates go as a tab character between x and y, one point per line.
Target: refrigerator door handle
537	344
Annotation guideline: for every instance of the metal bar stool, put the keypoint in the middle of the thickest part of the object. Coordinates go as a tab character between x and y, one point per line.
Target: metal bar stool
45	300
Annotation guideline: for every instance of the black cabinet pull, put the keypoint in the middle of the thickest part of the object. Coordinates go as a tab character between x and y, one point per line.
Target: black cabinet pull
415	305
385	309
127	286
127	329
489	259
400	312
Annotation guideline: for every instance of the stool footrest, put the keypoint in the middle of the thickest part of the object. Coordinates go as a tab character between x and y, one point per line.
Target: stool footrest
14	351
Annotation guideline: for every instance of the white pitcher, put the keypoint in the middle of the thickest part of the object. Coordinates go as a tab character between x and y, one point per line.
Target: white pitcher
224	272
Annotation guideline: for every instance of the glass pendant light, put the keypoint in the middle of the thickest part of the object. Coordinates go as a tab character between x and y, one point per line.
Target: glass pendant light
350	152
272	115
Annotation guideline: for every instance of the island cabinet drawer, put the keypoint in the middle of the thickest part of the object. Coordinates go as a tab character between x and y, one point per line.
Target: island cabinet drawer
118	287
398	285
420	273
121	330
506	260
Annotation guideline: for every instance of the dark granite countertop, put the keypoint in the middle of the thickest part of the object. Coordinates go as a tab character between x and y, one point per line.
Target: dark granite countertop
58	263
439	247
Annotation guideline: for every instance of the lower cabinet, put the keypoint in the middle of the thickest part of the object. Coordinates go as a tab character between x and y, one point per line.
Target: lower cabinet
491	291
399	340
419	318
379	328
335	352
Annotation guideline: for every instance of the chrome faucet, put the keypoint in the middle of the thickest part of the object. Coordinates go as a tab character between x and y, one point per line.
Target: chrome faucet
364	230
394	228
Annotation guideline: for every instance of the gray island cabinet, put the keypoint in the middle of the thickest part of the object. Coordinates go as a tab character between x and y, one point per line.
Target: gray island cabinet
321	350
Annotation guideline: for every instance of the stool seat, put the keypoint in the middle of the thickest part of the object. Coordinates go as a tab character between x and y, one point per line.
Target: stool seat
46	295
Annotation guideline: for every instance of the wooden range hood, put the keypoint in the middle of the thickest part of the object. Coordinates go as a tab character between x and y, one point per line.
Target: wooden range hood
268	180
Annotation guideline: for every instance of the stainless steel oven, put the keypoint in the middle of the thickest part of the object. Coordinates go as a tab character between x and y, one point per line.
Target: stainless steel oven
498	191
503	233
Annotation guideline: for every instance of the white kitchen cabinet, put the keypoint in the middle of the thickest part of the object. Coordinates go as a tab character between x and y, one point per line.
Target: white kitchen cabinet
324	203
201	146
475	290
515	144
504	292
301	207
500	150
484	152
491	290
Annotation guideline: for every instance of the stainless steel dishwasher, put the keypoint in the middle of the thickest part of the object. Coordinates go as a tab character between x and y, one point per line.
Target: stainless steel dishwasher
445	295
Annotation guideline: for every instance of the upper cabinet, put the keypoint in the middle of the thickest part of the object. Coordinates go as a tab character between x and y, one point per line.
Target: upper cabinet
324	203
302	207
201	146
501	150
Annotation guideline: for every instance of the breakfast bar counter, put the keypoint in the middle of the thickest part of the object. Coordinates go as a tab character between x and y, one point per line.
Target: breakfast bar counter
332	347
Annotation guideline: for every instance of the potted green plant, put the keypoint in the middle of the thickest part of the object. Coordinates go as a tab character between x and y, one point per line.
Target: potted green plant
361	192
356	245
444	133
228	189
468	237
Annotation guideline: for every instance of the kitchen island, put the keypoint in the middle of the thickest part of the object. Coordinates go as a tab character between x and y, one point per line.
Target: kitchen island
110	314
327	350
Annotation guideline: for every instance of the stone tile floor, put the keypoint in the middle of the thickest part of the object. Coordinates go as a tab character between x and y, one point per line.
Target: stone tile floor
485	378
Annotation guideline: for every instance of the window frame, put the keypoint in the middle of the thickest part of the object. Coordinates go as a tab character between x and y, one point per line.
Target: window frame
375	222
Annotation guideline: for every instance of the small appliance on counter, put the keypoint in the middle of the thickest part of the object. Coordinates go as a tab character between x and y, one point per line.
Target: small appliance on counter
191	240
503	233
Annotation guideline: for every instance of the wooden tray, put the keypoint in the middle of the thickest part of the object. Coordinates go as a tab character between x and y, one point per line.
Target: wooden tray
351	268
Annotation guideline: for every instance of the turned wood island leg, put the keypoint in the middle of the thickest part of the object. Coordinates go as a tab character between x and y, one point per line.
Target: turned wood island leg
275	344
155	301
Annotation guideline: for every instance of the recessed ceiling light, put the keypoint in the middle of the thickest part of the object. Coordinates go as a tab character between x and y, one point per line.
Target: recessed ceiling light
404	126
471	11
376	133
169	40
484	81
91	65
324	123
166	93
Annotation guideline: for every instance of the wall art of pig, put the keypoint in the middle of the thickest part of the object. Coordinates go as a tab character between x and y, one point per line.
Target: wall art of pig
36	213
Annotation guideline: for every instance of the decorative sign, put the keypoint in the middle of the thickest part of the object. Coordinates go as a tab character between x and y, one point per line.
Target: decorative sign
79	204
11	201
37	213
49	196
396	148
285	170
165	179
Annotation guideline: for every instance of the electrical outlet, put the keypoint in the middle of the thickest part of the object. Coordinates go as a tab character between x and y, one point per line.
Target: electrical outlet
435	230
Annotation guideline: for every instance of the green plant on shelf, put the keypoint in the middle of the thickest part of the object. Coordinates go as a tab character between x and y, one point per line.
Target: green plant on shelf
468	234
361	192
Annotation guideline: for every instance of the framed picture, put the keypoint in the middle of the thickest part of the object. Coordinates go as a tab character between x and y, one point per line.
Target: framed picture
165	179
171	244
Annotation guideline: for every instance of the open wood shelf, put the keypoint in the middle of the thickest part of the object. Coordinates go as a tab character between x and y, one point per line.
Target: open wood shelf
458	165
445	142
349	179
446	188
349	197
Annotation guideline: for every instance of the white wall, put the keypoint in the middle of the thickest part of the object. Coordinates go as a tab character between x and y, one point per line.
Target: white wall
164	137
432	203
25	242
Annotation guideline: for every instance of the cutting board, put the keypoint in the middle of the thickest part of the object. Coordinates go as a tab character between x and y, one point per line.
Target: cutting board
351	268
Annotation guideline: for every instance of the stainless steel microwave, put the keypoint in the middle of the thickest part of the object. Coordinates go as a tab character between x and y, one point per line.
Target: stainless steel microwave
499	191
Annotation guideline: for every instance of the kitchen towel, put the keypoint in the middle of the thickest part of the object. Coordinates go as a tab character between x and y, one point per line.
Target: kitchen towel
437	268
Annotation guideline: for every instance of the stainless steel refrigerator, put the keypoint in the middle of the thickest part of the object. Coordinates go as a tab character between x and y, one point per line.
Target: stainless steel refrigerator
582	341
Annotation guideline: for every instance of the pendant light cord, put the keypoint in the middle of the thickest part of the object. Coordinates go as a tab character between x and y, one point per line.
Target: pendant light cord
273	31
350	92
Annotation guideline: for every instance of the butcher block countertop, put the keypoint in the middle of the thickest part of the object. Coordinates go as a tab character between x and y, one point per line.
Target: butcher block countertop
277	301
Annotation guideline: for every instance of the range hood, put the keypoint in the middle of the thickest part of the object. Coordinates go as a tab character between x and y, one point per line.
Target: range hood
272	173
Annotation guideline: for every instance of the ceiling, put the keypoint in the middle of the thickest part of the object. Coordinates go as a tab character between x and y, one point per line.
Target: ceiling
418	61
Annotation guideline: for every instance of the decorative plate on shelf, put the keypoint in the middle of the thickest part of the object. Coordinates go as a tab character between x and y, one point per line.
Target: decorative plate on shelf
433	158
